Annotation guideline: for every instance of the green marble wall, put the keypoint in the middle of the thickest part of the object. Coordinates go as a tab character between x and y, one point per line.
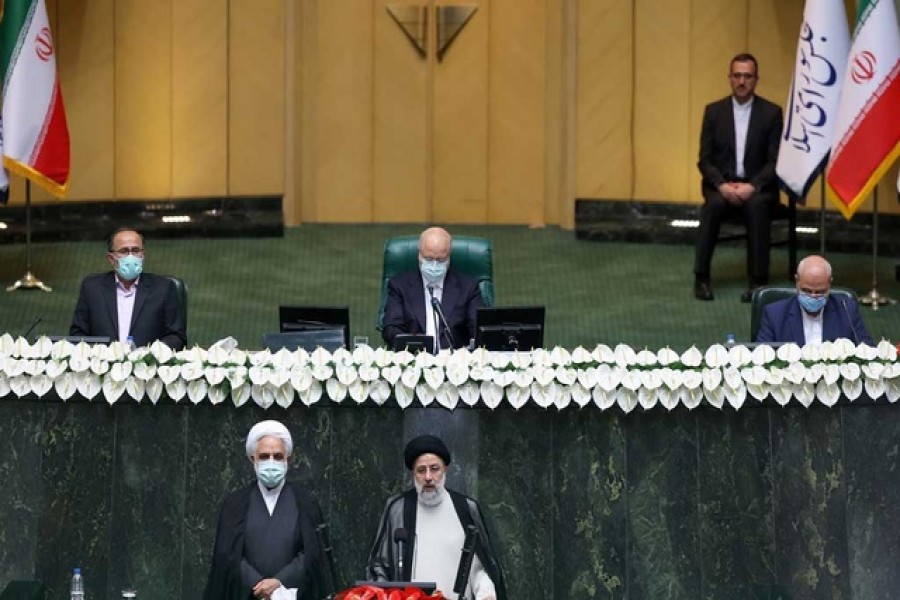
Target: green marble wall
766	502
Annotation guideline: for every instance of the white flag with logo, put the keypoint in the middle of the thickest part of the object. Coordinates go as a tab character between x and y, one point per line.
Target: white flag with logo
811	112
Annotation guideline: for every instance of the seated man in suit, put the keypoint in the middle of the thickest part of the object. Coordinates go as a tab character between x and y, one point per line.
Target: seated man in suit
738	151
126	302
813	316
409	307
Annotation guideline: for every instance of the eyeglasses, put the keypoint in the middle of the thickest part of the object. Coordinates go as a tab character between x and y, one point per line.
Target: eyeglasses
134	251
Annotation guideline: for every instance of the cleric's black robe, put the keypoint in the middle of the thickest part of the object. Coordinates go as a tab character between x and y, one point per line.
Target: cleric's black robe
401	512
224	582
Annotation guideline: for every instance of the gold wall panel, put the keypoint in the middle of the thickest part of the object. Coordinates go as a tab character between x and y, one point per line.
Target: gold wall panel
460	124
85	40
343	127
199	98
256	97
400	128
604	102
517	111
663	167
143	98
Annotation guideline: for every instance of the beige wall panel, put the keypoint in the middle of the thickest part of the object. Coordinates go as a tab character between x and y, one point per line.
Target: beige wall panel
461	125
344	111
199	97
85	37
517	111
143	96
554	103
662	91
603	145
718	32
774	29
400	143
256	93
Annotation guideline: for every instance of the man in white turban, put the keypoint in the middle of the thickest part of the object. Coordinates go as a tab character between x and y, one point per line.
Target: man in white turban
266	543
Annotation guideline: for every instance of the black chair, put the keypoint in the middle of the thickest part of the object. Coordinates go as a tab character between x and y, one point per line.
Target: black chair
768	294
181	295
780	212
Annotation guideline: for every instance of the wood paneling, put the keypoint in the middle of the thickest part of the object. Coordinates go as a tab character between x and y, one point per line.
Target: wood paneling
256	97
143	98
517	155
604	89
199	98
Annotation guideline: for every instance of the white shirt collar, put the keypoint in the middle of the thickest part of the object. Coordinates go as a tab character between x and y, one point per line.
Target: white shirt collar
270	497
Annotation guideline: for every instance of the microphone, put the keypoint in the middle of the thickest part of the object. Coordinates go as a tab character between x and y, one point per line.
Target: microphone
33	325
400	538
850	321
328	553
465	561
436	305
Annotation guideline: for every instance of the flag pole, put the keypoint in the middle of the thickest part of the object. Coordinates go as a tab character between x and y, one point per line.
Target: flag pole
28	281
822	216
873	298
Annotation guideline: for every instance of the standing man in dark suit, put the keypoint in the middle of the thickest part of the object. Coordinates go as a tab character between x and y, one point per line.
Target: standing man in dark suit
409	307
813	316
738	152
126	302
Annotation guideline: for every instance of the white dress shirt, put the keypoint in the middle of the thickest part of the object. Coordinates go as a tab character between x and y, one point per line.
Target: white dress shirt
812	327
741	124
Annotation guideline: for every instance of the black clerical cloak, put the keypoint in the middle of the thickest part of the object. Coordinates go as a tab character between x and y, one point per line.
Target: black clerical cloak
401	512
224	582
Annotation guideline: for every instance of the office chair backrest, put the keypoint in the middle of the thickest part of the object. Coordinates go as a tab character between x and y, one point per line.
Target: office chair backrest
181	295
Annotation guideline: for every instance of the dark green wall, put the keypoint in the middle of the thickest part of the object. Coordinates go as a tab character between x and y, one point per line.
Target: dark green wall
767	502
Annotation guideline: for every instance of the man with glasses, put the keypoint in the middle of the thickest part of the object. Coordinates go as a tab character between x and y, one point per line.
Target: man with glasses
738	151
814	315
126	302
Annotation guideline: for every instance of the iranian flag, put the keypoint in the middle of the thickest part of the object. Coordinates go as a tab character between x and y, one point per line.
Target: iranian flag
35	135
867	136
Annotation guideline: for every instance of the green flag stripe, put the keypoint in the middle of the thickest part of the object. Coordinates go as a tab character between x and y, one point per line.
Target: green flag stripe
17	16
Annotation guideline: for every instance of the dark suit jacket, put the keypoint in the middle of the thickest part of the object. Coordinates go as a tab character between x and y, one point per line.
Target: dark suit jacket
782	322
404	311
155	317
717	145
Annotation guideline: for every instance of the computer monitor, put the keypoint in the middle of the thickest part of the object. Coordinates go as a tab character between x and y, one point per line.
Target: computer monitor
510	328
413	342
314	318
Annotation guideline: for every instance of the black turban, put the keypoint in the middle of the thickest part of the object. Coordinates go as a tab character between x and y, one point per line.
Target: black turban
425	444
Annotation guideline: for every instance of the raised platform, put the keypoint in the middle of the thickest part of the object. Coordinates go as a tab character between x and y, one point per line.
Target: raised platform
642	221
251	216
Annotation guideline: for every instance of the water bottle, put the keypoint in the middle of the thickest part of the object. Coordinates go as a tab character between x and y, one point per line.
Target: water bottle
729	340
76	591
129	344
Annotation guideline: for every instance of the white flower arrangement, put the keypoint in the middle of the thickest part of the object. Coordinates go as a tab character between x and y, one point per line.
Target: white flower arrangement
605	377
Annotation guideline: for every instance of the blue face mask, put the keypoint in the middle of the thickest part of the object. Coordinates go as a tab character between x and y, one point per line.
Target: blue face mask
271	472
129	267
812	304
433	270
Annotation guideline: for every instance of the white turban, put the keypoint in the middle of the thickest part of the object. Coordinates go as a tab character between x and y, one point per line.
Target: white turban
265	429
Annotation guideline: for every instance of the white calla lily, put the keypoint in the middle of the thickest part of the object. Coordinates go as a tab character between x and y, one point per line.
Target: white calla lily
603	398
154	389
692	357
666	356
196	390
603	354
469	393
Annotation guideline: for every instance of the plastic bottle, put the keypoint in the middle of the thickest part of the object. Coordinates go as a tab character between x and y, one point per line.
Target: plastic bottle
76	590
129	343
729	340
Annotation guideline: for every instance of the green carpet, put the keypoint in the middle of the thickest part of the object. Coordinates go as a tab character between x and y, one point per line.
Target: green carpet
639	294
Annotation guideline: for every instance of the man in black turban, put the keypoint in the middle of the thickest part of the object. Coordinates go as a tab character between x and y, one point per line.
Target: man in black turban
431	522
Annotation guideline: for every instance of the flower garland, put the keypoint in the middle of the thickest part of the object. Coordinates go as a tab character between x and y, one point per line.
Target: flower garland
605	377
368	592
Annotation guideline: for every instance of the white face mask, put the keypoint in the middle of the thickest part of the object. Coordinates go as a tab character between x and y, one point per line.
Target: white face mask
433	270
271	472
